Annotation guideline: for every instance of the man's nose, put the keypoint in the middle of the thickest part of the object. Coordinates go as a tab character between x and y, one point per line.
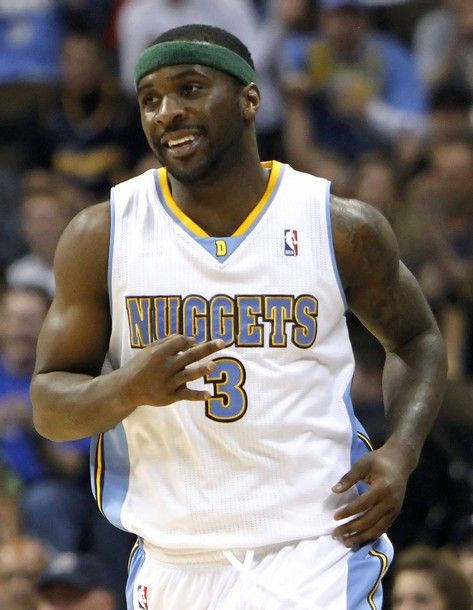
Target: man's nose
169	110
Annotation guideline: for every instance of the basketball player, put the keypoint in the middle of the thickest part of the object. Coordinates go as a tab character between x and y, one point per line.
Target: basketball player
225	438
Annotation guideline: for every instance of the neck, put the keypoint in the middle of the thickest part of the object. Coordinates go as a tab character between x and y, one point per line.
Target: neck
222	204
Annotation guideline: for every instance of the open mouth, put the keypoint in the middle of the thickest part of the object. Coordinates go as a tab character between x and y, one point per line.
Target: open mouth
181	146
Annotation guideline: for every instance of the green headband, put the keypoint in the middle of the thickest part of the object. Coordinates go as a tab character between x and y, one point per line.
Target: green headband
194	52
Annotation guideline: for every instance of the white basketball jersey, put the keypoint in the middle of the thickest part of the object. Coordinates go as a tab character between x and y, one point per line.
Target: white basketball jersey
253	465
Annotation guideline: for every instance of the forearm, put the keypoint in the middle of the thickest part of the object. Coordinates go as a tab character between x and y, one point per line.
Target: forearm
413	386
69	406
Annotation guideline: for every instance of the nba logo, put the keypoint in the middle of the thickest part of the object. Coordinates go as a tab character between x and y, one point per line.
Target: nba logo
291	247
142	596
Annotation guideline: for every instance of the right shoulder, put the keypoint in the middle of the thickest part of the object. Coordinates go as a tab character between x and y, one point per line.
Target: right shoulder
91	222
82	252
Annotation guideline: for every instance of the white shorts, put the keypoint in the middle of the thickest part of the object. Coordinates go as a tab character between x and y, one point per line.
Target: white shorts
320	574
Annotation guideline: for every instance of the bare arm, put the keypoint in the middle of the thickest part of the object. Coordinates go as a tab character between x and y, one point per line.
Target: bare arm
71	399
387	299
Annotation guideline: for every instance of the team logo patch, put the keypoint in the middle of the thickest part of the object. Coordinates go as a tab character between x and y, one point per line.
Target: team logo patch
142	597
220	247
291	242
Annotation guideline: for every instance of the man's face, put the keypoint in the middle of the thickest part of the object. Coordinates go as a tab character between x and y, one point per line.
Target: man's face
21	316
192	120
344	28
20	565
61	596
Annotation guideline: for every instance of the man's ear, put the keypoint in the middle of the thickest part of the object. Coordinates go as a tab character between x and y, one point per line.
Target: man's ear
249	101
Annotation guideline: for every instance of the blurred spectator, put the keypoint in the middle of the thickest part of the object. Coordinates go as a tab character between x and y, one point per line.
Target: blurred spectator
30	38
350	89
75	582
441	200
434	43
10	525
22	560
376	181
462	543
428	579
22	311
450	110
10	242
91	133
44	214
51	474
443	43
135	31
437	237
91	14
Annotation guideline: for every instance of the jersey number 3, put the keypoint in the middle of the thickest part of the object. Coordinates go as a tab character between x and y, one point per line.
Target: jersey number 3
229	401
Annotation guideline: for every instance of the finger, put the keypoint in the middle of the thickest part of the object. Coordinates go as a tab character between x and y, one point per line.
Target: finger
202	350
360	504
193	373
174	344
349	479
187	394
370	533
364	521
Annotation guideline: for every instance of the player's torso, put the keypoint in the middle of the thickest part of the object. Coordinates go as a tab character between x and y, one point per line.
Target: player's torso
257	460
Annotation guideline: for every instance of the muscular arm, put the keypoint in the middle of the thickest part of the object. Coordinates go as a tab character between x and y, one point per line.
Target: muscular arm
387	299
71	399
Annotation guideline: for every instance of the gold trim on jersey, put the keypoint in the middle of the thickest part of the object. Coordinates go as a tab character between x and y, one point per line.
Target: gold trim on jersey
99	472
365	440
133	551
249	221
384	568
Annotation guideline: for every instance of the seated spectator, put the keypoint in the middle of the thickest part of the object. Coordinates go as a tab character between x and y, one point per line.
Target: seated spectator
462	544
10	525
450	111
22	311
51	474
443	43
22	560
10	242
350	89
44	214
75	582
426	578
91	133
30	39
376	181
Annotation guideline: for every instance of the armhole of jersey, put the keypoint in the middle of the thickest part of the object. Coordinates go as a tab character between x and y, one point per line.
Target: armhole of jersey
332	247
110	250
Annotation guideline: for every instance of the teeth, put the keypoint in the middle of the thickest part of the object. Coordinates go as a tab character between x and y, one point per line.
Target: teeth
181	141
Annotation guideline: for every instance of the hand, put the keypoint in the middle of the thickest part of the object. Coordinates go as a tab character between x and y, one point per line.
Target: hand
159	373
386	471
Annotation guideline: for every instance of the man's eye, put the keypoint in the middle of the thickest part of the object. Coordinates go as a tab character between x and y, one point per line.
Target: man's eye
149	100
190	88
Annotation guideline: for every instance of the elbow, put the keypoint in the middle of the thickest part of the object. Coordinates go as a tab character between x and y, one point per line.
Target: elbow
43	419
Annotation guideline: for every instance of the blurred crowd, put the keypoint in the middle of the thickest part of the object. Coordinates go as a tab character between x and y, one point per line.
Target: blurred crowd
377	96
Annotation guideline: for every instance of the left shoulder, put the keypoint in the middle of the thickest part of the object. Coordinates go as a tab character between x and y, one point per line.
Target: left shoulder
364	242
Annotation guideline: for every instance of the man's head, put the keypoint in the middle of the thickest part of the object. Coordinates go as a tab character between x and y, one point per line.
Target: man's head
76	582
22	313
198	100
21	561
343	23
83	63
44	214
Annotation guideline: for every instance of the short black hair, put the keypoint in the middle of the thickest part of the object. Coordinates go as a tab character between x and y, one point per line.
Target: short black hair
451	96
207	33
